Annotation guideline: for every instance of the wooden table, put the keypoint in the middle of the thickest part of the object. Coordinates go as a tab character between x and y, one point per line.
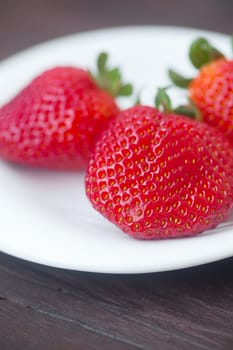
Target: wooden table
47	308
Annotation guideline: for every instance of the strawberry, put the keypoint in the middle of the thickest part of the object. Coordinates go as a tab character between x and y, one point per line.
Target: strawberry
158	175
211	91
53	122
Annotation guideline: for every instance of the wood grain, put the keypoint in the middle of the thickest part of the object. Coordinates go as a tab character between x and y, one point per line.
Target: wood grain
49	308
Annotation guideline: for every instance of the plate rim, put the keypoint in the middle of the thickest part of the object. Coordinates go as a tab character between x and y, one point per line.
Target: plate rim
109	31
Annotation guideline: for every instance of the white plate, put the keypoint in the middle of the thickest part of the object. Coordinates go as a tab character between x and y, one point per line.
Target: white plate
45	217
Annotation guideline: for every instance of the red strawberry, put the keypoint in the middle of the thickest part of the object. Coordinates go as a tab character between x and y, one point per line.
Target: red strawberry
54	121
160	176
211	91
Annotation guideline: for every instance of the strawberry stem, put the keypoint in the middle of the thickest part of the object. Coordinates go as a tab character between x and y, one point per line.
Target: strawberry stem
202	52
110	79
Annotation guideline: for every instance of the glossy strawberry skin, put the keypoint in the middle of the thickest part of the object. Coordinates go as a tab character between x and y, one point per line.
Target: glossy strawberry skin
160	176
54	121
212	93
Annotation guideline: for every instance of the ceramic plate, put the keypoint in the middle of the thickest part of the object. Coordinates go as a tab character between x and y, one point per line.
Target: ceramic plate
45	217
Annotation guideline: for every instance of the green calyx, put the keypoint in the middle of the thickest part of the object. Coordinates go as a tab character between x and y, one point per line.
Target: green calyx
162	101
178	79
110	79
163	104
201	52
190	110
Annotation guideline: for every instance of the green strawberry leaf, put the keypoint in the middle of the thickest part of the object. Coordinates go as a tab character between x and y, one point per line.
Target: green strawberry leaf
178	79
110	79
163	104
163	101
101	61
202	52
125	90
185	110
190	110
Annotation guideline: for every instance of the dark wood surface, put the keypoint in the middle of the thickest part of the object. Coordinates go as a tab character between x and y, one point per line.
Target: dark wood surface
46	308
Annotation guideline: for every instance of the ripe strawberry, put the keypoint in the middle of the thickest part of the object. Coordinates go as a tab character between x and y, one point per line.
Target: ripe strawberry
157	175
54	121
211	91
